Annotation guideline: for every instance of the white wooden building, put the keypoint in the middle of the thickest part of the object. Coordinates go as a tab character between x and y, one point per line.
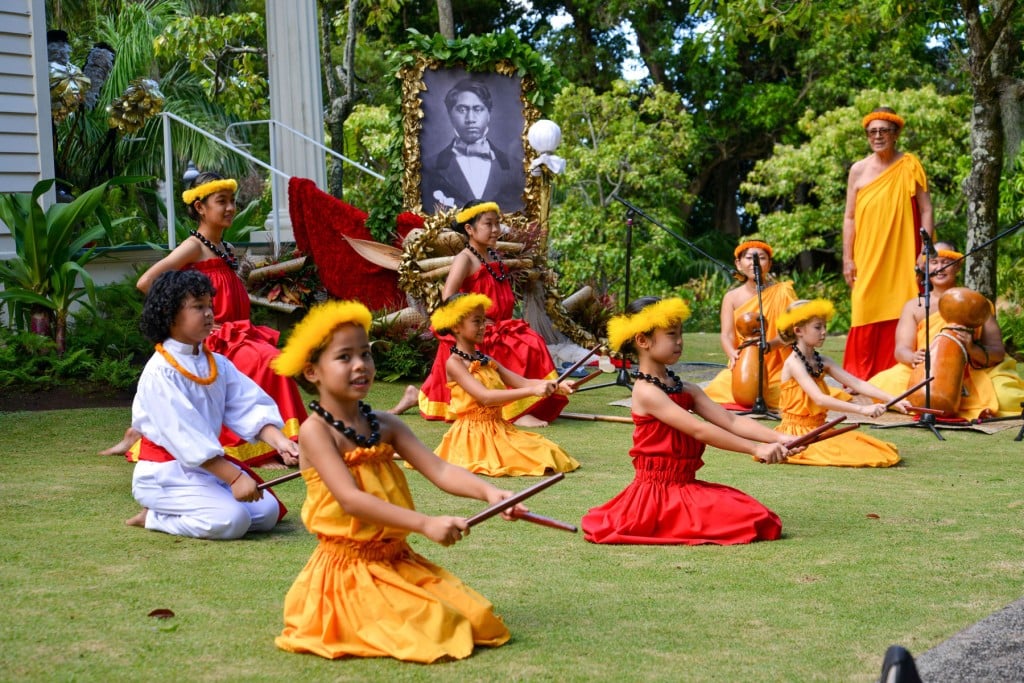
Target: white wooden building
26	149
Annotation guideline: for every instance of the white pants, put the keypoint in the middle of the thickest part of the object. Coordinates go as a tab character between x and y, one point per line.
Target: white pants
192	502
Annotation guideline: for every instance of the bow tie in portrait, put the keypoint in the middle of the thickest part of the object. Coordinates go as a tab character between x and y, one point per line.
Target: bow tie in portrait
481	148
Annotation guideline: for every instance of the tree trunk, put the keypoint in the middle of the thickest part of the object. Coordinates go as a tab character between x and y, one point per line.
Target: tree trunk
340	92
992	61
446	19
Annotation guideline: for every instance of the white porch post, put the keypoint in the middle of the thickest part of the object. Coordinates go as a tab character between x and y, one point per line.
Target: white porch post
296	98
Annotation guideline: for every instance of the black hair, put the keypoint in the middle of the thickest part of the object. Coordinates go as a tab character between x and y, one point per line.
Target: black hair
165	299
634	307
202	178
468	85
461	227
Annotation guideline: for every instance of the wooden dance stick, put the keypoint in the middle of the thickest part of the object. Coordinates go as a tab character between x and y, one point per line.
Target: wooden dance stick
908	392
812	435
576	366
583	380
547	521
836	432
503	505
280	480
920	409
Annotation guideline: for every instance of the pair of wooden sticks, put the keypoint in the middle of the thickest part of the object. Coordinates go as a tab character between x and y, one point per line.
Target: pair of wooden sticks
488	512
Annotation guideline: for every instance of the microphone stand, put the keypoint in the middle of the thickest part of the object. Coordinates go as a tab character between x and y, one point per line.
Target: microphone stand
760	407
622	378
926	420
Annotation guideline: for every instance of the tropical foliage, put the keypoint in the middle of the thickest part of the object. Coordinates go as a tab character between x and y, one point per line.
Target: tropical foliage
52	248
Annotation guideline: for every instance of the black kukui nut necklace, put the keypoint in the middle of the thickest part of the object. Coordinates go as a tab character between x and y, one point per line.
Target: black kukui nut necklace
674	389
348	432
817	359
226	255
476	355
502	271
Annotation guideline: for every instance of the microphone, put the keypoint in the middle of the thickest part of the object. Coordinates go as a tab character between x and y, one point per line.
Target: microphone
928	247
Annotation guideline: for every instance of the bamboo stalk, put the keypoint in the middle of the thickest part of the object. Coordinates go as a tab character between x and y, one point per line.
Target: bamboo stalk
578	298
436	273
426	264
257	275
273	305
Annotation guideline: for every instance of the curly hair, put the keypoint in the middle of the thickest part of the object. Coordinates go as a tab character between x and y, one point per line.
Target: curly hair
165	299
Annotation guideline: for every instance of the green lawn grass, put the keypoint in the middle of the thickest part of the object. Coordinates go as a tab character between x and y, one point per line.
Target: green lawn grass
911	554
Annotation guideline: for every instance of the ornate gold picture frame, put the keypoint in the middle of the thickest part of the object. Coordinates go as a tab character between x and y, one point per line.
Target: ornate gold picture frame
433	181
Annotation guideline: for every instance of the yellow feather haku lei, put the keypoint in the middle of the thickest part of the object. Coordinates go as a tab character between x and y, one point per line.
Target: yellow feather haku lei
802	311
466	215
659	315
882	116
313	331
206	189
448	315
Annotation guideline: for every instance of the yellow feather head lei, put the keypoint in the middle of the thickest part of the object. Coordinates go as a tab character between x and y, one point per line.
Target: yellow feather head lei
802	311
313	332
882	116
468	214
206	189
659	315
752	244
449	314
948	254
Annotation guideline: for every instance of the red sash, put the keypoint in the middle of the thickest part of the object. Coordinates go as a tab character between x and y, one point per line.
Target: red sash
152	452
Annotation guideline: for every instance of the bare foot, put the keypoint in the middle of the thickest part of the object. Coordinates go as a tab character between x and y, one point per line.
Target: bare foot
138	520
410	398
122	446
274	464
530	422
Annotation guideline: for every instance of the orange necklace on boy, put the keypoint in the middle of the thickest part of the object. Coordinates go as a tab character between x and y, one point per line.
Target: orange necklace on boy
205	381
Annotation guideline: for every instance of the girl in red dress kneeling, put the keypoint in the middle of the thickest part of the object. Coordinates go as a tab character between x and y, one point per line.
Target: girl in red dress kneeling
665	503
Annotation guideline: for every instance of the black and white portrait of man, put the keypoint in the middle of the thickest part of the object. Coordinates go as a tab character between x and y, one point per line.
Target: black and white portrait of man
471	141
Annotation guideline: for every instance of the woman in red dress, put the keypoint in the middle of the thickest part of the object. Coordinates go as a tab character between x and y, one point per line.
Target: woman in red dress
211	203
479	269
665	503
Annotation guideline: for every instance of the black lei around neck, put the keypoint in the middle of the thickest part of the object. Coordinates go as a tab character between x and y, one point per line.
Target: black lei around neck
350	434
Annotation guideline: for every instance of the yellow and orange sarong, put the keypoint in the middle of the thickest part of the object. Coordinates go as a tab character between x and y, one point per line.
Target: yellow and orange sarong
774	299
884	250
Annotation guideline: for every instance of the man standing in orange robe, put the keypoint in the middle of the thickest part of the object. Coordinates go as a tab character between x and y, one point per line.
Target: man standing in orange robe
887	203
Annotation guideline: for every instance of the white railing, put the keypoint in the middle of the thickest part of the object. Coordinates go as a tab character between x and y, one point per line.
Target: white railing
276	174
169	198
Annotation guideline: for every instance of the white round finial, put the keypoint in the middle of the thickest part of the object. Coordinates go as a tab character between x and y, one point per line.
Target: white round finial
544	136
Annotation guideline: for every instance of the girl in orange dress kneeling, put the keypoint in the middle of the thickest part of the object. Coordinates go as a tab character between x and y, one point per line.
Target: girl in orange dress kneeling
364	592
480	439
805	398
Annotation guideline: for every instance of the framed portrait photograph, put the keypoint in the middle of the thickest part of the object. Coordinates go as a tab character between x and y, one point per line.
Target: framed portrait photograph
465	140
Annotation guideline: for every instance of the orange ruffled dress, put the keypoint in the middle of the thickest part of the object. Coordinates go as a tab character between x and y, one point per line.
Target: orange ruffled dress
250	348
852	449
365	593
511	342
666	504
484	442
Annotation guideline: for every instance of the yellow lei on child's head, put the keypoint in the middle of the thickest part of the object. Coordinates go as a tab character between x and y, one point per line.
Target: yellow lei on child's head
450	314
802	311
206	189
466	215
314	330
659	315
